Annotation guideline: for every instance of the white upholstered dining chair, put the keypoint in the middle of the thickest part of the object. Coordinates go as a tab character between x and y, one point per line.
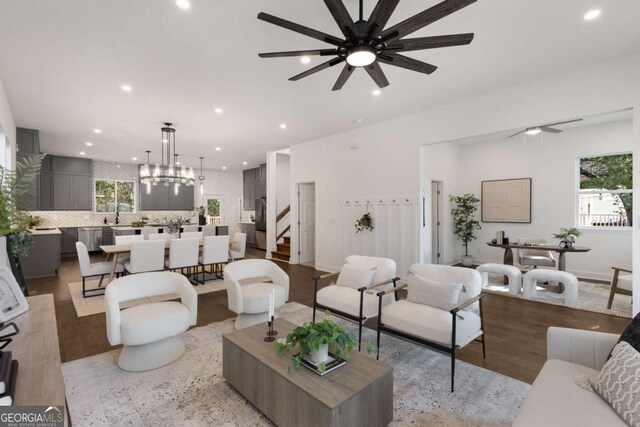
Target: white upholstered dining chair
191	235
146	256
95	269
215	253
183	253
124	240
238	246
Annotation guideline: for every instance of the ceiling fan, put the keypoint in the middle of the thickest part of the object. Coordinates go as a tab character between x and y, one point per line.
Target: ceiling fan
367	43
544	128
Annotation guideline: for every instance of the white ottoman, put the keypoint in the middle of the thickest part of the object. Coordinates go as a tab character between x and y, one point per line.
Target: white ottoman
569	281
513	274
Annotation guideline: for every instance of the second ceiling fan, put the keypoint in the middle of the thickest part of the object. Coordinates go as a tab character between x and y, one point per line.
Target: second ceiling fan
367	43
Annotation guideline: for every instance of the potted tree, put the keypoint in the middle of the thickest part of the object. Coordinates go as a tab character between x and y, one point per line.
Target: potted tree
464	222
15	235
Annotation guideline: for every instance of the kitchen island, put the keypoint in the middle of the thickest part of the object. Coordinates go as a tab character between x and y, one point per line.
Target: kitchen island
43	258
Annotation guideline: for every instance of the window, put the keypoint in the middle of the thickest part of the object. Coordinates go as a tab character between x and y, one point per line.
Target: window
213	209
605	196
110	194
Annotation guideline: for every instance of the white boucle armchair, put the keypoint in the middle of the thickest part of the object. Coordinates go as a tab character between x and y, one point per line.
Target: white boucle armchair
150	333
251	300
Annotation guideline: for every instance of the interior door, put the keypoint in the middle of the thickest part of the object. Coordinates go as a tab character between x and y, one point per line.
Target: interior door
436	222
307	222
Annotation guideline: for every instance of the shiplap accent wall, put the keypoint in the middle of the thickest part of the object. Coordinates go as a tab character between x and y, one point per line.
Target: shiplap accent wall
396	222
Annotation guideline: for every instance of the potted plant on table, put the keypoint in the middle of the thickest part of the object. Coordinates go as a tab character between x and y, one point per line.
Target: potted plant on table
315	340
567	236
464	222
15	237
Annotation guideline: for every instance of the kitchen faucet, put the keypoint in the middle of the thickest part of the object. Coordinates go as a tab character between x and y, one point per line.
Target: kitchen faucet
117	216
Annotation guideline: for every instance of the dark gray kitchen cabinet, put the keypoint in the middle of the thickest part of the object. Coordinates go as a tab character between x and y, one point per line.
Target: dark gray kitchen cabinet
47	164
71	166
43	257
183	201
29	200
46	191
254	186
27	141
161	197
71	193
68	240
107	236
249	196
147	201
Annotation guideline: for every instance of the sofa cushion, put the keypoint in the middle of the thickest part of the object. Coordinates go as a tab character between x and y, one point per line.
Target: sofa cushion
431	323
556	400
255	297
355	277
625	281
347	300
619	382
431	292
147	323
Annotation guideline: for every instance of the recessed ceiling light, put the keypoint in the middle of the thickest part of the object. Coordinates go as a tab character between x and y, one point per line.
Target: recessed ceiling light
218	110
134	158
82	153
244	163
126	88
283	126
376	92
218	148
305	59
88	144
592	14
97	131
358	121
224	168
183	4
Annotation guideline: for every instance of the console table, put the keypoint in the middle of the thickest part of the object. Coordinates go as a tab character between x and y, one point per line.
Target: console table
36	347
357	394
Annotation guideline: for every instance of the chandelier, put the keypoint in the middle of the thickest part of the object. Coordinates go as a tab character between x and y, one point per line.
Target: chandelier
170	172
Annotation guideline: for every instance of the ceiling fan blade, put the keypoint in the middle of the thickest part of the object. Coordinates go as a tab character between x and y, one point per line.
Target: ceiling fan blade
342	18
517	133
314	52
317	68
434	42
380	16
327	38
548	129
406	62
375	72
562	123
425	18
343	77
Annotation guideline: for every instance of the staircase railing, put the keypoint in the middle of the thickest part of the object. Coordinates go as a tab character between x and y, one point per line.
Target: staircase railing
279	218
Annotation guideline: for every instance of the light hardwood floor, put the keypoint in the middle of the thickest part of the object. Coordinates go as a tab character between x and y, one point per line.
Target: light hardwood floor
515	329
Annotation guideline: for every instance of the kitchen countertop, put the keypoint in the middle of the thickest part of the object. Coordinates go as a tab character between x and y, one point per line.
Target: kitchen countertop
247	223
48	232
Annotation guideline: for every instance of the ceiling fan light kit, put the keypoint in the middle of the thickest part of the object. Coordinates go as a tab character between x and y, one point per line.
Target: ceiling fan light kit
543	128
367	43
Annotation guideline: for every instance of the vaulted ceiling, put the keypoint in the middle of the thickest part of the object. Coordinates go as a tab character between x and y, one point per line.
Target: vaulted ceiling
63	62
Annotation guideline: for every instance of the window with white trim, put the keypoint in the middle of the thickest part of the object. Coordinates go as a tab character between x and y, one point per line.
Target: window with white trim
605	191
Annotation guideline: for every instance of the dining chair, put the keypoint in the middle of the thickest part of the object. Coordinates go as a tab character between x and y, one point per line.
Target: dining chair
238	246
208	230
147	255
189	228
535	257
161	236
215	253
124	240
191	235
183	253
96	269
620	284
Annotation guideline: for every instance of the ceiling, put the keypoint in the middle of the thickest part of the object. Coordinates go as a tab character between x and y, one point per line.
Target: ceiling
62	63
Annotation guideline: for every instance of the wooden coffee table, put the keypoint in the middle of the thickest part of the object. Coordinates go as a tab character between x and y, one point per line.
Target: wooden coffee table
358	394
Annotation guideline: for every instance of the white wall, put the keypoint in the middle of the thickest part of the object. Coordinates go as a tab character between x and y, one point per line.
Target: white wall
8	125
552	165
389	162
228	186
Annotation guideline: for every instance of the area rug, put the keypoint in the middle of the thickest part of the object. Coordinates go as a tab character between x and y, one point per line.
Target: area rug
591	296
95	305
193	392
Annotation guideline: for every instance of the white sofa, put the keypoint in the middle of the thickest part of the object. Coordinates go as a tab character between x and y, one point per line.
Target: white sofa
555	399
